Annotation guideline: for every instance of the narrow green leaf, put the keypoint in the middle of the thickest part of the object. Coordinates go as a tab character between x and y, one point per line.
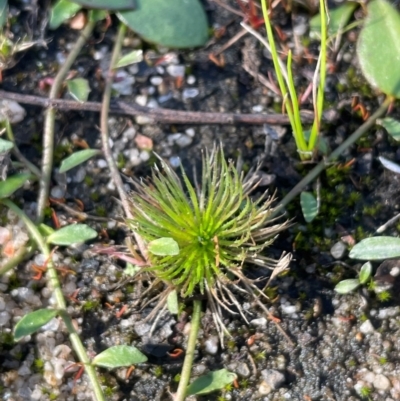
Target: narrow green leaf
177	24
3	12
346	286
135	56
211	382
309	206
378	47
118	356
32	322
12	183
172	302
365	272
5	145
77	158
107	4
163	247
62	11
338	19
79	89
376	248
392	126
72	234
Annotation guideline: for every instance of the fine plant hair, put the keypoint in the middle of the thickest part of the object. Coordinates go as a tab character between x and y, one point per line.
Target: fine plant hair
217	226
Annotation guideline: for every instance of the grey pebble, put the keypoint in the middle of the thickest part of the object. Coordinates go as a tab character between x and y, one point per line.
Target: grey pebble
338	250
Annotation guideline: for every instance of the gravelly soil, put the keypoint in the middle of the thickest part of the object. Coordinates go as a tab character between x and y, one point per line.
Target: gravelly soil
345	347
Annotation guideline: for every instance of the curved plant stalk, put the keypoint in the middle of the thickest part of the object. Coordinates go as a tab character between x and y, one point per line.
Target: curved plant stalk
105	107
336	153
60	300
50	116
188	362
22	254
30	166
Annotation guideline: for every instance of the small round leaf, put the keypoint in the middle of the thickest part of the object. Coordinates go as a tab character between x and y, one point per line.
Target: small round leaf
211	382
172	302
12	183
309	206
5	145
376	248
118	356
72	234
79	89
163	247
32	322
378	47
346	286
62	11
135	56
392	126
77	158
177	24
365	272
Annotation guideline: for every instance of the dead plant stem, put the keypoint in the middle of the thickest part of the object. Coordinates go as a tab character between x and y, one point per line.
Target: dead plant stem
50	116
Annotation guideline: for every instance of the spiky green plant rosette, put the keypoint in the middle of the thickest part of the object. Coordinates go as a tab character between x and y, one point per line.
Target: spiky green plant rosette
216	224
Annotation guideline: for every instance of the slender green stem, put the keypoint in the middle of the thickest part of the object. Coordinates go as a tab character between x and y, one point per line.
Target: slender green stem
188	362
50	116
319	104
10	135
105	107
23	253
337	152
60	300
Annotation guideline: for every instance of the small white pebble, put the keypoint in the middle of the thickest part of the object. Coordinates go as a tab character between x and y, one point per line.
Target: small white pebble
191	79
176	70
190	132
175	161
101	163
190	93
157	80
367	327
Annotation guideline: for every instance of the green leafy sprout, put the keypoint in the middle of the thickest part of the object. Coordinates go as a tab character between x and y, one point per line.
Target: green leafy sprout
216	225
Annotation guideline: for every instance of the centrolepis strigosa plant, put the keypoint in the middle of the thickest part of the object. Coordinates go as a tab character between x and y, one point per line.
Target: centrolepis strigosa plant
211	230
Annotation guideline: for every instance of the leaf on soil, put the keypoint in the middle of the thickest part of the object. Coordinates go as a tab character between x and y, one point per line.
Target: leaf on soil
211	382
376	248
392	126
163	247
118	356
346	286
12	183
77	158
108	4
72	234
309	206
378	47
135	56
389	165
79	89
172	302
338	19
365	272
176	24
32	322
3	12
5	145
62	11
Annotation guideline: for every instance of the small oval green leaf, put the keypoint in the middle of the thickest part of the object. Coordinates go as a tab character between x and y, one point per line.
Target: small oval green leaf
5	145
75	233
79	89
118	356
12	183
376	248
32	322
62	11
163	247
365	272
77	158
211	382
346	286
172	302
177	24
135	56
97	15
309	206
392	126
107	4
378	47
